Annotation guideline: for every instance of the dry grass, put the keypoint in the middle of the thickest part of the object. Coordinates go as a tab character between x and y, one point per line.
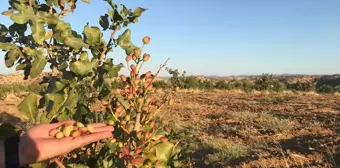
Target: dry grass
221	151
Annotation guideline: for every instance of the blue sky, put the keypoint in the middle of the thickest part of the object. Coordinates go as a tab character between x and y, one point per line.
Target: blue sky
229	37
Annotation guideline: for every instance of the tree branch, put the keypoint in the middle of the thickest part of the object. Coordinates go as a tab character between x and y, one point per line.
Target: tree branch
106	49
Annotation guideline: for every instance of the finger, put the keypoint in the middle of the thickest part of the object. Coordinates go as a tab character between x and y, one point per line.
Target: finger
89	138
104	129
55	125
97	125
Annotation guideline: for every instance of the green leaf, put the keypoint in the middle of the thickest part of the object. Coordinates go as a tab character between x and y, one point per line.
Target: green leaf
20	67
20	29
38	65
3	30
113	5
124	41
104	21
7	130
115	15
54	102
7	46
75	43
76	166
92	35
71	101
64	115
25	14
83	66
62	30
111	70
38	165
86	1
44	119
30	52
47	18
159	134
11	56
123	101
82	110
124	11
38	31
138	12
164	151
28	108
62	26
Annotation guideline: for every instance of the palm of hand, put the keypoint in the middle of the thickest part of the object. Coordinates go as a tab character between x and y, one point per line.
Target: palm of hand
36	144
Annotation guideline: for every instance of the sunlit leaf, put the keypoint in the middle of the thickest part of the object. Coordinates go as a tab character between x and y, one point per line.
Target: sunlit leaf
138	12
76	166
111	70
38	31
83	67
47	18
87	1
48	35
28	108
124	41
75	43
44	119
11	56
25	14
38	65
71	101
92	35
124	11
20	67
7	46
164	151
38	165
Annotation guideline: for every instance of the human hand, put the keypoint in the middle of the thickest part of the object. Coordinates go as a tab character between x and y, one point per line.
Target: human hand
36	145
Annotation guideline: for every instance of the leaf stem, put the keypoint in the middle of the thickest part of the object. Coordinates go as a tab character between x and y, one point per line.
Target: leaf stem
156	75
137	122
58	163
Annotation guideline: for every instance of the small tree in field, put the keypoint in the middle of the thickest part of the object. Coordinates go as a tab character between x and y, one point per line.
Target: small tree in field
78	61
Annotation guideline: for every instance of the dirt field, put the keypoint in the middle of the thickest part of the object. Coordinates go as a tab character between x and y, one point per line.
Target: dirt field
260	129
235	129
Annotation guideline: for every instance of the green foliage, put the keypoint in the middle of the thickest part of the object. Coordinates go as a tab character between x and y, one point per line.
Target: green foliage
269	83
222	152
326	89
177	79
302	86
6	89
161	84
116	84
243	84
79	80
328	84
28	107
